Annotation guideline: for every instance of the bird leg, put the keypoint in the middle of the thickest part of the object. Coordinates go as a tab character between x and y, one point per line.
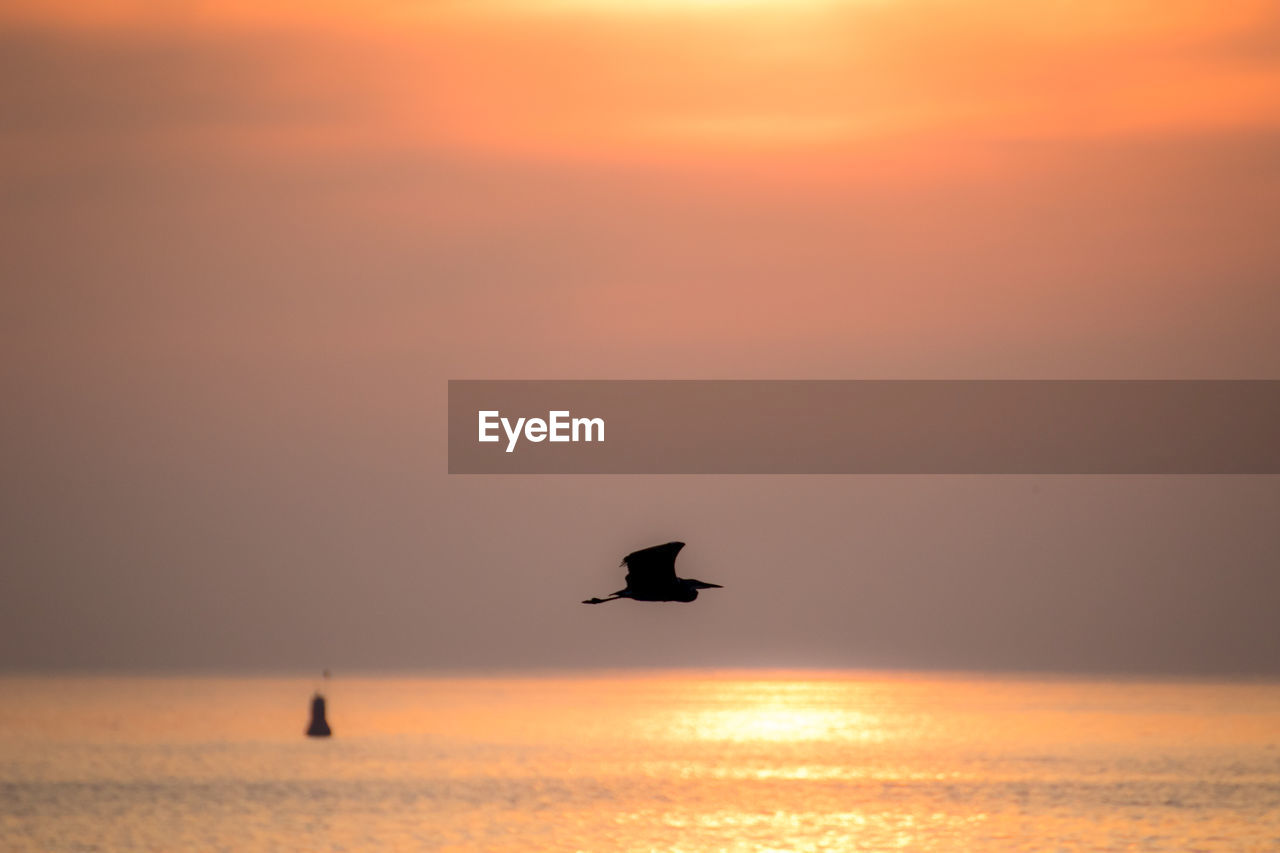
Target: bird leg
601	600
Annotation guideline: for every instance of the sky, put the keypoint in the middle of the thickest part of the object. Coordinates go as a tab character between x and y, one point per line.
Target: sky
246	245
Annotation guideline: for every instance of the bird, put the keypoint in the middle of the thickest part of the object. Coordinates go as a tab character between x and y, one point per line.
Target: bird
651	576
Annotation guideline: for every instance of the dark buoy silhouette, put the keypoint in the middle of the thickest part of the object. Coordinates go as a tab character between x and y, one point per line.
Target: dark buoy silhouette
319	725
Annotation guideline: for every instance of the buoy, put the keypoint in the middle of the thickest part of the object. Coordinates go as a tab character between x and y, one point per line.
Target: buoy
319	725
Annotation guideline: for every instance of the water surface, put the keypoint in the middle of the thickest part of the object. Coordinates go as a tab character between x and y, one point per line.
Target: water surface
720	761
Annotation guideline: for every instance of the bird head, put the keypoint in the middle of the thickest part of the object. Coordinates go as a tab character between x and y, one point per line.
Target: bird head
690	586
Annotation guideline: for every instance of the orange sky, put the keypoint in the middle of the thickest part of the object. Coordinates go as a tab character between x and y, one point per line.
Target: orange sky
1022	143
711	78
246	245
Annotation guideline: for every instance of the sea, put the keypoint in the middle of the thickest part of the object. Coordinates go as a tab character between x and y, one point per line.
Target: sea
640	761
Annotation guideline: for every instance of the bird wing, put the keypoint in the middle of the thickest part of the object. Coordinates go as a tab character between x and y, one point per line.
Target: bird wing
652	567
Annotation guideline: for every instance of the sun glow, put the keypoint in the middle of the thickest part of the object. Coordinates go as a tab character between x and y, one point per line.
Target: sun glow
772	723
697	5
779	712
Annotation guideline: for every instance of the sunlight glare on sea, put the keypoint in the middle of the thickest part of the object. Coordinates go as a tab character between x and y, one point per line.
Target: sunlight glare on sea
679	761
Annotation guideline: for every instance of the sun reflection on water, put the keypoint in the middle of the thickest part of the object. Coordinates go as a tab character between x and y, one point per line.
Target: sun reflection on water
774	712
779	722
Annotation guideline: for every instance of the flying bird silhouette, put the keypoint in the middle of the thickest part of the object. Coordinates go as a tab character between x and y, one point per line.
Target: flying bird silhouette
651	576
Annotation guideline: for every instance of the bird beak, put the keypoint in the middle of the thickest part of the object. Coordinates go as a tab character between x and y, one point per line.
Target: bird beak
705	585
